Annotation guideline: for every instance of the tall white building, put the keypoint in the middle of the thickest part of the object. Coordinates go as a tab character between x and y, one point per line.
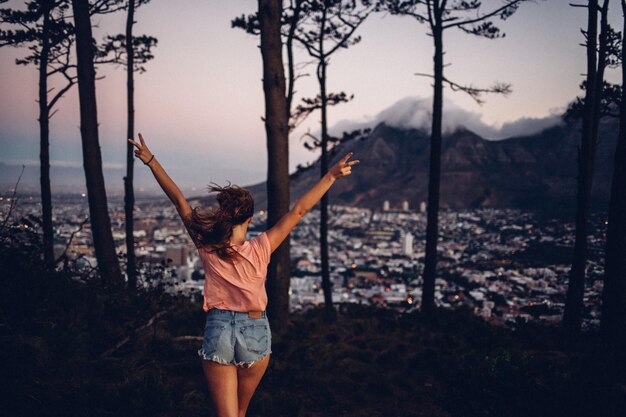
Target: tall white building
423	207
407	244
386	205
405	205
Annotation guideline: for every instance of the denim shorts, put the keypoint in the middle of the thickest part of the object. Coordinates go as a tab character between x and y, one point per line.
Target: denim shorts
231	337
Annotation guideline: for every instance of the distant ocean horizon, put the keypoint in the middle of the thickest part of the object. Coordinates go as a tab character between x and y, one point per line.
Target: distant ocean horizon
71	180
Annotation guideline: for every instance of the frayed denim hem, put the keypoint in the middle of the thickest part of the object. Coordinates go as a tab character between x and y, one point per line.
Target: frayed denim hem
216	358
249	364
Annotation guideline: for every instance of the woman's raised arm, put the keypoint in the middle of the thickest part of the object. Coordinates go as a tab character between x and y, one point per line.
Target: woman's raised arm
167	184
280	230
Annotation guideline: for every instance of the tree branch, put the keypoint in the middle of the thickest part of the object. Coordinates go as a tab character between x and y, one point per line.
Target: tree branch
69	241
474	92
12	205
494	12
122	342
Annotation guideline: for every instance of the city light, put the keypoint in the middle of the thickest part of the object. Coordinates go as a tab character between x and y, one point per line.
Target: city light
388	276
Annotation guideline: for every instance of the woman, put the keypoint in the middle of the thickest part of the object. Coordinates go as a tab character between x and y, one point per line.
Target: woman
237	337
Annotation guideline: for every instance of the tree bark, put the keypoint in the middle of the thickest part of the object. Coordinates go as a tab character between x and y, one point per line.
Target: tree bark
325	270
277	131
574	306
129	194
290	58
434	175
326	284
613	324
104	245
44	141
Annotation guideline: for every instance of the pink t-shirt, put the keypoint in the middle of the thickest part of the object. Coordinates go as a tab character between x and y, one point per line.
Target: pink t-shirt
238	286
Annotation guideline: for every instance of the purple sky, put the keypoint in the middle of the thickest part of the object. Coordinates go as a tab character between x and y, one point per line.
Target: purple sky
200	103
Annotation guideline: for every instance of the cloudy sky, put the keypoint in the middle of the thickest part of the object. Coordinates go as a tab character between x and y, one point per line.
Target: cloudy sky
200	103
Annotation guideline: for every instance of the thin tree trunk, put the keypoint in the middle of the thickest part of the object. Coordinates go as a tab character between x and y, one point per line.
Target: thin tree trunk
104	245
290	59
129	194
44	142
613	325
277	130
573	314
601	63
434	176
321	76
326	284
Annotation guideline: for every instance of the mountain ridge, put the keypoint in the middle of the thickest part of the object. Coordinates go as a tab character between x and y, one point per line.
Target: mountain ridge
535	171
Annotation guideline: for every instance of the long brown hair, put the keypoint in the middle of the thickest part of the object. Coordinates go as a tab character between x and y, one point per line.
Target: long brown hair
214	226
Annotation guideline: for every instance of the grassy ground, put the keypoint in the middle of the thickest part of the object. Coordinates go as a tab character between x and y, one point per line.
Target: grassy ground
368	362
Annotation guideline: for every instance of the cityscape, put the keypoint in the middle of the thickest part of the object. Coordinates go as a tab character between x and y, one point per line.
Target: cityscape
505	264
457	238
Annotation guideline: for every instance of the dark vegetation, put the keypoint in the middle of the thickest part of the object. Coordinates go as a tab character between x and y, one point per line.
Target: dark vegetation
56	359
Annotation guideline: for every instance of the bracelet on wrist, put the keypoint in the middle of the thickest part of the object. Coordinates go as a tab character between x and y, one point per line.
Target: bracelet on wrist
150	160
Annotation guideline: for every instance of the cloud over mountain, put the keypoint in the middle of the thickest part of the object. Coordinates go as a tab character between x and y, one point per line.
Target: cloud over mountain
416	113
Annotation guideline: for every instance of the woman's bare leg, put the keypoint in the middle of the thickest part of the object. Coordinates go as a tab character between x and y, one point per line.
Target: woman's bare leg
222	382
247	381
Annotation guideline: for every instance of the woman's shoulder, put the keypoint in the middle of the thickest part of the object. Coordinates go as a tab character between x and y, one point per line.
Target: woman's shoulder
259	239
258	242
262	245
260	235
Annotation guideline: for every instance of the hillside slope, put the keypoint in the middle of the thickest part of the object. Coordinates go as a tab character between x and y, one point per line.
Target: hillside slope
537	171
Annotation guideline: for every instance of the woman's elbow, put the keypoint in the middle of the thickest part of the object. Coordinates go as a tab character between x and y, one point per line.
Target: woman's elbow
299	211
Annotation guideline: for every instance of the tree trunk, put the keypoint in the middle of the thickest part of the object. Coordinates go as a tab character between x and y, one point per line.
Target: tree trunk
321	76
613	325
573	314
129	194
434	175
108	264
277	130
326	284
290	59
44	143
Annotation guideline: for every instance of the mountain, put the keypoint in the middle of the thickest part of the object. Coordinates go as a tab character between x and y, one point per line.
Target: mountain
536	171
531	172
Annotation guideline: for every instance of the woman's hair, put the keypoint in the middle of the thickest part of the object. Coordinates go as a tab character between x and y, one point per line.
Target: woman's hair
213	227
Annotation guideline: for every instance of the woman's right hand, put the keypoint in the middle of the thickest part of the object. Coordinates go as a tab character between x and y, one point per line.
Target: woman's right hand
142	152
343	167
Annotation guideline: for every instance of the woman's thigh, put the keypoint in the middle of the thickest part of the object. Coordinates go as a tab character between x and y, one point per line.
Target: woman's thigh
223	387
248	380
